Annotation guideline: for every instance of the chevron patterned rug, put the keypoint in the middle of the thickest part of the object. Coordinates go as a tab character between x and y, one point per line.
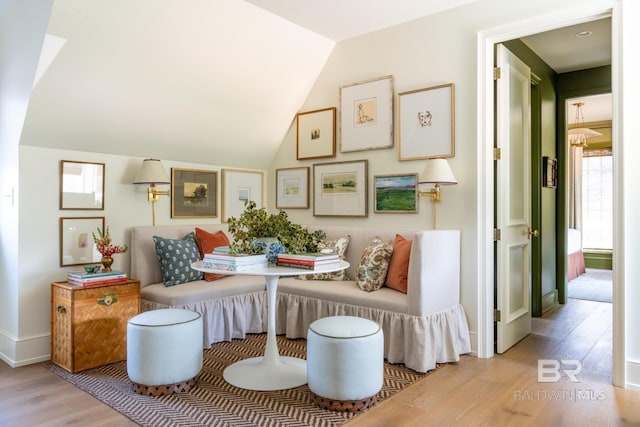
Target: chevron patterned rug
214	402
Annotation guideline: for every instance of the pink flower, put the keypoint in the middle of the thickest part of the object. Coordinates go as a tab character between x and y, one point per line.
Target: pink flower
104	246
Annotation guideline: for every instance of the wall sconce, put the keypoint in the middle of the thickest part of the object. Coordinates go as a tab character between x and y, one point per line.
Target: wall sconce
152	172
436	171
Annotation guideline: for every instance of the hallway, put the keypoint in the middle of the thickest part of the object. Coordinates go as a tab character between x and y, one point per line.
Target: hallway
579	330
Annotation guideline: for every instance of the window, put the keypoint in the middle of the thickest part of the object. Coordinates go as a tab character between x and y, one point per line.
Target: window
597	199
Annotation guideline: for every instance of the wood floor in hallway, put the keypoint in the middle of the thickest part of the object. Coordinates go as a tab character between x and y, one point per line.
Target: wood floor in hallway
501	391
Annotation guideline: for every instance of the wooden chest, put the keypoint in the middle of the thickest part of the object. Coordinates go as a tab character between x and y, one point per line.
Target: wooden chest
89	325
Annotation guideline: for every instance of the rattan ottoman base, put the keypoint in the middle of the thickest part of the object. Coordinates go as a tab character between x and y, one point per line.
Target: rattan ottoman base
344	405
165	389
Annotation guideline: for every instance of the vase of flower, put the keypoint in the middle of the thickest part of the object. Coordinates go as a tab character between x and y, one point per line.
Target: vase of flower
106	248
106	263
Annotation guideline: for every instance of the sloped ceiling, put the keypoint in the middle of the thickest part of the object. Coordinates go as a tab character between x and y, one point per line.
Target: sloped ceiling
204	81
214	82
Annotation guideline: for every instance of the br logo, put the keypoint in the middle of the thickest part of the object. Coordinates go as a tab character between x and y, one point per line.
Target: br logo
551	370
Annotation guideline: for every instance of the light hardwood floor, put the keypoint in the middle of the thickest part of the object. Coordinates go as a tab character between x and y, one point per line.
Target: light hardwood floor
503	390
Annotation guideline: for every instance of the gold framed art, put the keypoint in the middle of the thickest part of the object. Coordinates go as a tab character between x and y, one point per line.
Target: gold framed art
426	123
292	188
366	115
81	185
194	193
316	134
340	189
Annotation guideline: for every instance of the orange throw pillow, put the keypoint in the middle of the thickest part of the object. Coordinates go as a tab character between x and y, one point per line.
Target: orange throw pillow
399	264
207	242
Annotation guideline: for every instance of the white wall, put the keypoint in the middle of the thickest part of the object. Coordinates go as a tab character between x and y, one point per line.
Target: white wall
22	28
423	53
125	206
419	54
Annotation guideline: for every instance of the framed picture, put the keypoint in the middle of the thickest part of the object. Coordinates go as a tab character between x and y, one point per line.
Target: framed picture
426	123
292	188
340	189
549	172
81	185
396	193
366	115
316	134
76	240
194	193
238	187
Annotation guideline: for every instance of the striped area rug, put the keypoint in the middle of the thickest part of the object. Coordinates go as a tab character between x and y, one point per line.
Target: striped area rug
214	402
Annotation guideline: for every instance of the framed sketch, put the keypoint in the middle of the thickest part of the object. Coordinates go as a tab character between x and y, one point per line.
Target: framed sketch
76	240
292	188
340	189
81	185
549	172
316	134
194	193
396	193
426	123
238	187
366	115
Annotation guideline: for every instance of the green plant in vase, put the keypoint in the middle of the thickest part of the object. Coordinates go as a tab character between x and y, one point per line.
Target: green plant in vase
256	223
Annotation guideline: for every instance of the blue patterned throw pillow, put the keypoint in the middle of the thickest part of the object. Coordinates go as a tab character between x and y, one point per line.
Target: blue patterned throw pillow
175	257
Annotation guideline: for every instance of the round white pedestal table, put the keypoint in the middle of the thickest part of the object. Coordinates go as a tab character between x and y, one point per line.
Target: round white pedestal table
271	371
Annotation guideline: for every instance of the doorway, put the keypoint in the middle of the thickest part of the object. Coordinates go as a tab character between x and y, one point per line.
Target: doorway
487	40
590	198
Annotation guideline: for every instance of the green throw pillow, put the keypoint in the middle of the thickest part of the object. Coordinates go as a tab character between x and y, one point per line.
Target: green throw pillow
175	257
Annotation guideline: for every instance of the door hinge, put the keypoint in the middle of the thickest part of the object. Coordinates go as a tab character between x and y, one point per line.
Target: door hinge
496	73
497	153
496	315
497	235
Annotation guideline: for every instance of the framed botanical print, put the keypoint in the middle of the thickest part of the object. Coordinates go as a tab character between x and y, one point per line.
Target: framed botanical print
292	188
426	123
194	193
366	115
340	189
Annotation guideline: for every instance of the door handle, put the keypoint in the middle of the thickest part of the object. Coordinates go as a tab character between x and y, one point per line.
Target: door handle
531	232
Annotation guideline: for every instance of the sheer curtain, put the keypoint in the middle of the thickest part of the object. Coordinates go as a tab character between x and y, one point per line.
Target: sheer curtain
575	188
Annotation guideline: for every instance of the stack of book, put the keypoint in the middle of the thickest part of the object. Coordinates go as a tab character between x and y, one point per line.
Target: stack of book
84	279
233	262
309	261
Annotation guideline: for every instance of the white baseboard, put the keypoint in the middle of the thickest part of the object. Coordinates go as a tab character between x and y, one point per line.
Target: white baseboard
473	337
26	351
633	375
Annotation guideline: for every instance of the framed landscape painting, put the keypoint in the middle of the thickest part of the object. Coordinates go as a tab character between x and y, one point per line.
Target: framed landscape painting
194	193
396	193
292	188
340	189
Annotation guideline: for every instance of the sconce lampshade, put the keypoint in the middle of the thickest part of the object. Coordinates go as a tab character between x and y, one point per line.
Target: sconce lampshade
437	171
152	172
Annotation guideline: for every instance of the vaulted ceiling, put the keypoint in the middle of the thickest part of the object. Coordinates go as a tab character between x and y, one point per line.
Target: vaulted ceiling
215	82
203	81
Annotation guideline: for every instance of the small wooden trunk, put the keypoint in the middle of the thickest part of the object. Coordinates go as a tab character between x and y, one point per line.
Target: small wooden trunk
89	325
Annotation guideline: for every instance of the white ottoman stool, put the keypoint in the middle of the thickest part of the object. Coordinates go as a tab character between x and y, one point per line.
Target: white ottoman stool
345	362
164	351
